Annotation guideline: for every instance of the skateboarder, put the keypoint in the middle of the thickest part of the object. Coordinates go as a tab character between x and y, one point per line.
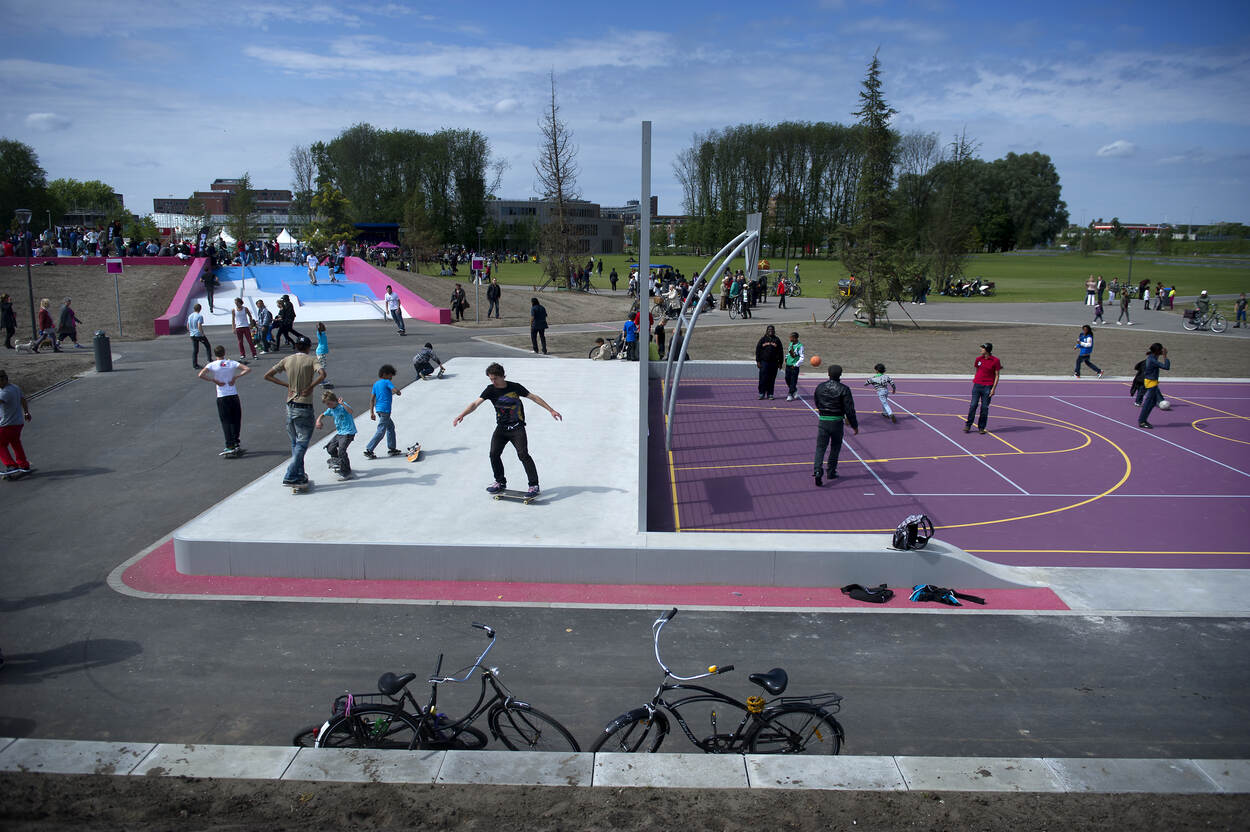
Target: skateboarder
509	426
344	433
224	372
14	414
302	377
423	362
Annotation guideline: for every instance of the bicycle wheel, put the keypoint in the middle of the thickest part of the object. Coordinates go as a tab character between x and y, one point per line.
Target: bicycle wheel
634	732
795	291
306	737
1189	323
371	728
797	729
734	311
1218	324
523	728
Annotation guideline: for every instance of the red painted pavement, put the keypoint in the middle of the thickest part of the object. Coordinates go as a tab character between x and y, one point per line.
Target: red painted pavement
155	573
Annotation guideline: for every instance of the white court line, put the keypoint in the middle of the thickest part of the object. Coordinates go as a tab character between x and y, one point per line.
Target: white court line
1155	436
965	450
847	445
1081	496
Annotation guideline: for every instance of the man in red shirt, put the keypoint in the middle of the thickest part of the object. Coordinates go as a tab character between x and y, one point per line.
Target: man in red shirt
984	383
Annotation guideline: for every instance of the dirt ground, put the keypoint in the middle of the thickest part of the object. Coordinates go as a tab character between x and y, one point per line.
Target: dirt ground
938	347
106	803
145	292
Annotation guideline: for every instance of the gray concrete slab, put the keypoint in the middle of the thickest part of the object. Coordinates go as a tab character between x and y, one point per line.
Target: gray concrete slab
517	768
1122	775
5	742
771	771
671	771
364	765
1232	776
73	756
964	774
226	761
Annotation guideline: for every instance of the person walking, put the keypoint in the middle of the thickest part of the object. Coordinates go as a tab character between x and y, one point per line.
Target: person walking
781	293
984	383
769	354
538	325
67	326
884	385
225	373
8	320
1156	360
509	426
46	329
322	353
1241	312
834	406
242	318
630	331
209	278
195	328
394	309
794	361
493	293
458	302
264	326
1084	349
14	414
380	399
612	277
344	433
302	377
1125	300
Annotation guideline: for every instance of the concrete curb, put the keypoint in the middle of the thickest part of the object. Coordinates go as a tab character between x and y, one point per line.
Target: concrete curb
698	771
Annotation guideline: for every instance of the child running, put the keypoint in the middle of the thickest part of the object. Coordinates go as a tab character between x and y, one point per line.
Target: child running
344	433
380	412
323	351
884	385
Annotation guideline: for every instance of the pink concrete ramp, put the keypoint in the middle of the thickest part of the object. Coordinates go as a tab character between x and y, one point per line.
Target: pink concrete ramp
413	305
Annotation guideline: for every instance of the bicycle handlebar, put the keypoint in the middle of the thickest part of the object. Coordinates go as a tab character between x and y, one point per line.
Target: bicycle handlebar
656	627
435	679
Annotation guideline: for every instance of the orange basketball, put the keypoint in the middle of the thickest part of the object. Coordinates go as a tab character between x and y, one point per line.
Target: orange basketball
814	361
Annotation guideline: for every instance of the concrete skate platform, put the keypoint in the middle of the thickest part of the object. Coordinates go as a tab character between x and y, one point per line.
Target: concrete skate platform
432	519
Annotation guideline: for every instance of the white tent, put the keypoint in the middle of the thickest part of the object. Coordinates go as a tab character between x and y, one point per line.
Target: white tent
226	238
285	240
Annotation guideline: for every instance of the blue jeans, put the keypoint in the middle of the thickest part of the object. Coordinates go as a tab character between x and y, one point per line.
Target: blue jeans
980	396
299	426
397	316
1148	403
385	428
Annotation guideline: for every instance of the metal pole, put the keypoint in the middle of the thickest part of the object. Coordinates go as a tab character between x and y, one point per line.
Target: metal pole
477	281
788	230
118	295
23	217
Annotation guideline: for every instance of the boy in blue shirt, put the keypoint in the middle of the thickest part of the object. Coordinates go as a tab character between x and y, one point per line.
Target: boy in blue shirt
344	433
380	412
323	351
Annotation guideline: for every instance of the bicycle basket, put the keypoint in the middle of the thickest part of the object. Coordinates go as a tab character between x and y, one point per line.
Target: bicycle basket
357	700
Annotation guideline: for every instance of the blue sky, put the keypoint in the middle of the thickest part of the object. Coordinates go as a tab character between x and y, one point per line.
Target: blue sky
1144	107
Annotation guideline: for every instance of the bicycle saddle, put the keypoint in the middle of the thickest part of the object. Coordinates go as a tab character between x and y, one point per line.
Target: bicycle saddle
774	681
390	684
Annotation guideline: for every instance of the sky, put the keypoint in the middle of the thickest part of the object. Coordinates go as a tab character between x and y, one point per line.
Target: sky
1143	107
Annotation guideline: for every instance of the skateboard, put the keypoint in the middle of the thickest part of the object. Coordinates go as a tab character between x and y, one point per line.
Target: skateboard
235	454
15	475
414	453
302	488
512	494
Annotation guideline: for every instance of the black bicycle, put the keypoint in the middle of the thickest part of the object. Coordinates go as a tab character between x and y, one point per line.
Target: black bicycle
783	725
381	720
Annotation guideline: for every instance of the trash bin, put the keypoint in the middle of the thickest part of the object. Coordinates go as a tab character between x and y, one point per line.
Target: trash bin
103	352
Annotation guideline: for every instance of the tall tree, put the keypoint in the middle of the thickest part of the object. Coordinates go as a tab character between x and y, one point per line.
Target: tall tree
241	224
23	183
556	167
303	181
870	253
419	233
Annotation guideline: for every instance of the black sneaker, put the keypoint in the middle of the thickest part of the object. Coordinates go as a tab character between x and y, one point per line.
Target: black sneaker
1145	425
833	475
394	452
370	455
495	487
967	428
819	481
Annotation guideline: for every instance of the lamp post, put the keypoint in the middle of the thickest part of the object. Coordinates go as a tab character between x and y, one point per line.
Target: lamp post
477	282
23	217
789	229
1132	246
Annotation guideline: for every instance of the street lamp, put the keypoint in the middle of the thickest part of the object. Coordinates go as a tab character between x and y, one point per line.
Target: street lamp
477	282
1132	246
789	229
23	217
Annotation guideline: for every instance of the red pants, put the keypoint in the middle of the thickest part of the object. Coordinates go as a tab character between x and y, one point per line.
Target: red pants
244	334
11	437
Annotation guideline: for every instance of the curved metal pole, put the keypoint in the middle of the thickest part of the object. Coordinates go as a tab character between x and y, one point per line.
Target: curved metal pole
694	318
702	276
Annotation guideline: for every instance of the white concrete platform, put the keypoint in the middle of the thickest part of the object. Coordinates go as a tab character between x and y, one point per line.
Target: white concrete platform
433	520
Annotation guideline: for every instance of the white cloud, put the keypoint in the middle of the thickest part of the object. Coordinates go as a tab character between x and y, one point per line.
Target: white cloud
506	105
1118	149
916	31
47	122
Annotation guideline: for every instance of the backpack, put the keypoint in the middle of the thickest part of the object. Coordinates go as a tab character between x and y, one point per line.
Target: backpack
873	595
913	533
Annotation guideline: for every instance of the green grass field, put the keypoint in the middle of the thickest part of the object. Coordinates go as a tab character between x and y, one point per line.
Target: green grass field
1018	277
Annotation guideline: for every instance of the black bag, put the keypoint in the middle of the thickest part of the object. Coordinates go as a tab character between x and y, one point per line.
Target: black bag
913	533
941	594
873	595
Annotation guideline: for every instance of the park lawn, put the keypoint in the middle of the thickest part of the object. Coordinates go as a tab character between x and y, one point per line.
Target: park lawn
1034	277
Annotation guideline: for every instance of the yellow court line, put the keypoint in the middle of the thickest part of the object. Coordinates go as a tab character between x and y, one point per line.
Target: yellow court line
1194	425
1209	407
1005	442
672	475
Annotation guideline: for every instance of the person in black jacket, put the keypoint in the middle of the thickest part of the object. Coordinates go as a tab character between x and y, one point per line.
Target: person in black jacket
493	293
768	355
834	405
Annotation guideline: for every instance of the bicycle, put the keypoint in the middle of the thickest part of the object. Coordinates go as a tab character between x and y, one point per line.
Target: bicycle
1213	321
381	720
783	725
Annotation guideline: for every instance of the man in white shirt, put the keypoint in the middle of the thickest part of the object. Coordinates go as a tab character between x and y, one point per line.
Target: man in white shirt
393	309
224	372
311	262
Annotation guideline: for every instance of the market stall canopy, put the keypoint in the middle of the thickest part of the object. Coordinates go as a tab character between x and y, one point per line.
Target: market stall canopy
226	238
386	245
285	239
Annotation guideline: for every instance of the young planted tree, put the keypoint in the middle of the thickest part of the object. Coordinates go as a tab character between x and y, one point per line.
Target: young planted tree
557	171
869	251
419	233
